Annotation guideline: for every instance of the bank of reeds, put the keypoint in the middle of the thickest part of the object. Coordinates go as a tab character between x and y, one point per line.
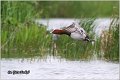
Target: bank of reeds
29	41
21	37
109	45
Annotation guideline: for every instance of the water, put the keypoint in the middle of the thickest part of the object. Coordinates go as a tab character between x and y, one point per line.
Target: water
56	68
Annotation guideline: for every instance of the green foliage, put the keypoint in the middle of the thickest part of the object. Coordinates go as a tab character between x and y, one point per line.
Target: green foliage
21	37
26	40
78	9
111	50
16	11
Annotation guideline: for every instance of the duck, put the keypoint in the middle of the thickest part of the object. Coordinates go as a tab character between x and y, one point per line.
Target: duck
75	31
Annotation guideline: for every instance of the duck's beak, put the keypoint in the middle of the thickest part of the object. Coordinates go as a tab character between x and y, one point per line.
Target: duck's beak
87	39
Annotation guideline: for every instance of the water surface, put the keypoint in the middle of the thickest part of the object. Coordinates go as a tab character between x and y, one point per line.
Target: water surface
56	68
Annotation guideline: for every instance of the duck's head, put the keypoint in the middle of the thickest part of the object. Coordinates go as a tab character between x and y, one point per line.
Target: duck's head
84	35
87	38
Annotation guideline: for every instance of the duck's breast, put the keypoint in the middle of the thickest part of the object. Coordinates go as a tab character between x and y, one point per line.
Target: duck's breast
77	36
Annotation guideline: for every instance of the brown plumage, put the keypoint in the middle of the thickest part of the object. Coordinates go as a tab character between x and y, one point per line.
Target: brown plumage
60	32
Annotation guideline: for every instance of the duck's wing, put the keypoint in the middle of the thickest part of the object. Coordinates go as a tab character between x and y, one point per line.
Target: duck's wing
71	28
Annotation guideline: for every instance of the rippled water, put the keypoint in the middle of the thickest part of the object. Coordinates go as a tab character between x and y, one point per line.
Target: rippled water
56	68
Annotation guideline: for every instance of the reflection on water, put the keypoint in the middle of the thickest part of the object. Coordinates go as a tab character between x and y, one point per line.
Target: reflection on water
56	68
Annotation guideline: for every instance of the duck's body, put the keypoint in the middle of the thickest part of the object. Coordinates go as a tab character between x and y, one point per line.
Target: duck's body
76	36
74	31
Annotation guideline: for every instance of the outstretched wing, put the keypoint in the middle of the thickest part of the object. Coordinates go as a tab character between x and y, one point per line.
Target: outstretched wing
75	27
70	28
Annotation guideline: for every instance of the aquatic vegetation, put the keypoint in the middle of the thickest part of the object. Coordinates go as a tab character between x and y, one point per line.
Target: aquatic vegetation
21	37
78	9
25	40
109	42
34	41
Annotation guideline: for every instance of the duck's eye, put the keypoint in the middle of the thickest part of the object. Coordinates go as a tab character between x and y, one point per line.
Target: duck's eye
81	30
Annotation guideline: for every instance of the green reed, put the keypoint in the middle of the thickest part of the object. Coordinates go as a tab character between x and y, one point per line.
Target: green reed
26	40
29	41
109	43
21	37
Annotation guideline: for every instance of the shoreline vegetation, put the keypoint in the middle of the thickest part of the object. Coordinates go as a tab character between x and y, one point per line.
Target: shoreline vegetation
21	37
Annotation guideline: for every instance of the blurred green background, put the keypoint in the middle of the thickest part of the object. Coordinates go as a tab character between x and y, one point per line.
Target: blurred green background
65	9
78	9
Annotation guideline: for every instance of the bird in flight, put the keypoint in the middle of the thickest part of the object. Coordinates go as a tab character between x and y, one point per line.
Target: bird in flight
74	31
